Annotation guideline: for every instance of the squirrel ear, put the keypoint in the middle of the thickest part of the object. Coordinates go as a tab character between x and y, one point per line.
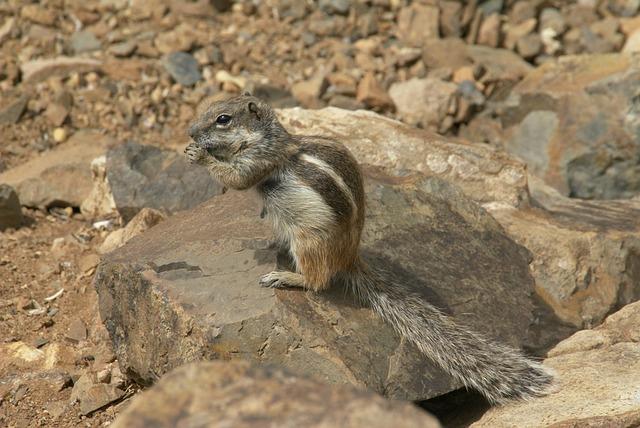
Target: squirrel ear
253	108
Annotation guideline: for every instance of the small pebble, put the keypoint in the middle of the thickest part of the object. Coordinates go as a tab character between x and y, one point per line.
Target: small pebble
59	135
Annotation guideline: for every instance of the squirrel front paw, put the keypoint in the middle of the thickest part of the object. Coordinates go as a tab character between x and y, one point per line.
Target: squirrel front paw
273	280
195	154
282	279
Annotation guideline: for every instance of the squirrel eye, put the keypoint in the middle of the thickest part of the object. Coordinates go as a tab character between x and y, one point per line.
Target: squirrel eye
223	119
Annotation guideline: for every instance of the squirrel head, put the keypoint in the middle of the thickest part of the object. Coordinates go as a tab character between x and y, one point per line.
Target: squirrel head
242	124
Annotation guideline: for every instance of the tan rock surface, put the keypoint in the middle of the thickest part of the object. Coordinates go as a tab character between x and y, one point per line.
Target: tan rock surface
144	220
586	253
40	69
485	175
60	176
598	375
240	395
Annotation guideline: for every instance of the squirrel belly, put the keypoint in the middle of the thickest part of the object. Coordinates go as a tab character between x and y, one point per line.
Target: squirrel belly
313	194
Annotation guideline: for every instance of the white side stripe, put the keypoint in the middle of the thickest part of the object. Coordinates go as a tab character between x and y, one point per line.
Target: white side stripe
325	167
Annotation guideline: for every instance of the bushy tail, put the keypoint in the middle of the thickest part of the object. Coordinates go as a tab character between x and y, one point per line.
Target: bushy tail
499	372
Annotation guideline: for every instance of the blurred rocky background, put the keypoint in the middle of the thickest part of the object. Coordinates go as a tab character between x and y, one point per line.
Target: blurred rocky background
501	144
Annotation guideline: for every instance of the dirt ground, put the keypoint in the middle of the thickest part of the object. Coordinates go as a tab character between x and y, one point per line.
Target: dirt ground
53	253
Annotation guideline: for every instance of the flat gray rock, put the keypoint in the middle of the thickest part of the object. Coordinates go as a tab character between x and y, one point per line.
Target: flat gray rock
188	290
11	112
142	176
183	67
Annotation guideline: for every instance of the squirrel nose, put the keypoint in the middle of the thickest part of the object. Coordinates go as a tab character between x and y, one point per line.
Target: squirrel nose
194	132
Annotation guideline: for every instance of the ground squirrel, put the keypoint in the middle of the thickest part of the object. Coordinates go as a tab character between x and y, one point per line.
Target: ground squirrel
313	194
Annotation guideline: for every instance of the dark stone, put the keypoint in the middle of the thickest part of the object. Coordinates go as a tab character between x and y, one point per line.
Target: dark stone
293	9
10	211
490	7
344	102
367	24
12	112
468	90
309	39
183	67
93	396
147	176
222	5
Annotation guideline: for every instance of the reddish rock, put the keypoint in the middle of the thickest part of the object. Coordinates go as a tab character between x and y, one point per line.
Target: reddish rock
425	102
10	211
77	331
93	396
309	92
418	23
38	14
372	94
490	32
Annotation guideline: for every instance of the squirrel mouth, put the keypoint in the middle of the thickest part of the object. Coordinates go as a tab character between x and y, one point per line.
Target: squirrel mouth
239	150
214	152
225	155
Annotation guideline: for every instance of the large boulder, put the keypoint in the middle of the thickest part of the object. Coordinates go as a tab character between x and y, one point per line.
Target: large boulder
598	373
240	395
576	123
187	289
584	255
483	173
